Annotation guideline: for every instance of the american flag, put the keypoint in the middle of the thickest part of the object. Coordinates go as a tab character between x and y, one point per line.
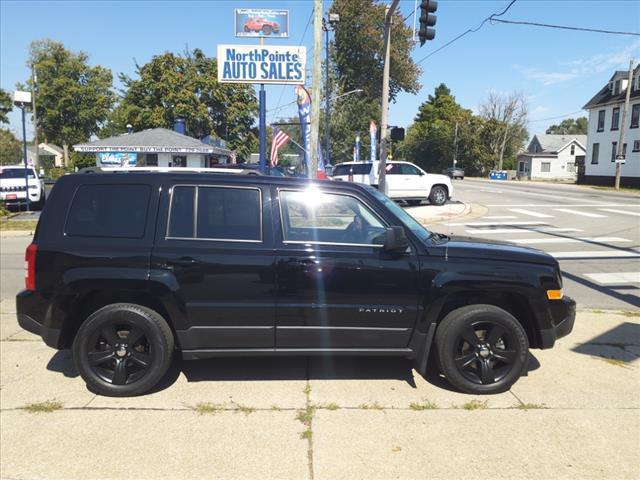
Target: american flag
279	140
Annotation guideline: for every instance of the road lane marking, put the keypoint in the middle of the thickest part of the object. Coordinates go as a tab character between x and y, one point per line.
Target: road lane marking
635	214
580	212
482	231
530	213
616	278
538	241
594	205
498	217
488	224
597	254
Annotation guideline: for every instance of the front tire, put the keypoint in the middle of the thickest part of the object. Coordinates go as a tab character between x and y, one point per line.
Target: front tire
123	350
482	349
438	195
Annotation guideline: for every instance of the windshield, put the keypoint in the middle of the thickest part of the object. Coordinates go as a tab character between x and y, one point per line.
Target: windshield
15	173
410	222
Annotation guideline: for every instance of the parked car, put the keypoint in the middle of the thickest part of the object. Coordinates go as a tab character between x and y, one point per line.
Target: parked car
454	172
127	270
261	25
405	181
13	187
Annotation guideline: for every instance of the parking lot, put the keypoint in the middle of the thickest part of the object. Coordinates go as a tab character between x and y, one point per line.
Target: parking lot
575	415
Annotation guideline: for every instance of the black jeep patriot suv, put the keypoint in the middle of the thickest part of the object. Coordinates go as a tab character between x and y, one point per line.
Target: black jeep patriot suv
126	269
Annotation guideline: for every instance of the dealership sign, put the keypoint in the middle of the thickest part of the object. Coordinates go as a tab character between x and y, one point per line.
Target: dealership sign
257	22
261	64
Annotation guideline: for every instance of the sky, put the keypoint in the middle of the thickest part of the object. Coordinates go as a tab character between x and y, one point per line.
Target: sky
557	70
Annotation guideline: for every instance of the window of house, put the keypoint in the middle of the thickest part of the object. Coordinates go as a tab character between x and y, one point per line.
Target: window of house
179	161
636	146
601	115
521	167
616	87
573	149
115	211
635	115
215	213
317	217
615	119
614	148
595	153
624	149
151	159
545	167
571	167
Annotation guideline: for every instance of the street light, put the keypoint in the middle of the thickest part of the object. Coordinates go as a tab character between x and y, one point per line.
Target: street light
22	100
334	18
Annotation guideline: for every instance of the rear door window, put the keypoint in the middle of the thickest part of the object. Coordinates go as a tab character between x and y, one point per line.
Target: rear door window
118	211
353	169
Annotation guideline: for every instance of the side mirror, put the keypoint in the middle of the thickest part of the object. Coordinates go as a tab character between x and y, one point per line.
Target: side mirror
395	240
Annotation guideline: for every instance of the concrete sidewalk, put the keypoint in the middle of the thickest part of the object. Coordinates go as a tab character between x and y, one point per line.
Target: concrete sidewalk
432	214
575	415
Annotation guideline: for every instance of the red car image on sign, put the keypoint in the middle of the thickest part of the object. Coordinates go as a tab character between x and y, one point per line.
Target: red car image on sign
261	24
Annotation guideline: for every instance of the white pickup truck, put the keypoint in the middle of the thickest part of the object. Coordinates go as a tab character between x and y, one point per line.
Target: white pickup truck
13	187
405	181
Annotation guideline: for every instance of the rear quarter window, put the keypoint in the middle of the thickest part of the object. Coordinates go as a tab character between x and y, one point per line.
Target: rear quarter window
116	211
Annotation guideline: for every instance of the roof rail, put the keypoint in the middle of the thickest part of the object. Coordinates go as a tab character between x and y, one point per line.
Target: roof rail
232	171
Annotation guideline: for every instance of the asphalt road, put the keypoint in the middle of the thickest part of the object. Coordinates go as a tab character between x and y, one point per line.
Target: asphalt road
595	234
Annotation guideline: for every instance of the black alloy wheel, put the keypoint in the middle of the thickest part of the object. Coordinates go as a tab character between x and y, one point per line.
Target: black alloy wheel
120	353
482	349
123	349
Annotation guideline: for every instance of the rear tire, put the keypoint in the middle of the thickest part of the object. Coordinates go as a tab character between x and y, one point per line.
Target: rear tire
123	350
438	195
482	349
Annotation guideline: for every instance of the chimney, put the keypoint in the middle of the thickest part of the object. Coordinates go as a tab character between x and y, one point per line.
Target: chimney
179	126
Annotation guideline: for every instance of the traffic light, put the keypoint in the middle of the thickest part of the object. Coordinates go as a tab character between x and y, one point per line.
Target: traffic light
397	134
426	20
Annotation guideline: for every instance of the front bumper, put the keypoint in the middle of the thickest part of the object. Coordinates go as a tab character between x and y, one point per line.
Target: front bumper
565	312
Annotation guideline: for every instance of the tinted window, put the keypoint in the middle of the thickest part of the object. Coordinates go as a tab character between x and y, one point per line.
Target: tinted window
354	169
409	169
313	216
182	208
394	169
229	213
109	211
16	173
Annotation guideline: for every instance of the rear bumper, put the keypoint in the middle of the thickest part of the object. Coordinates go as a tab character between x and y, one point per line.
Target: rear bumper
563	326
32	316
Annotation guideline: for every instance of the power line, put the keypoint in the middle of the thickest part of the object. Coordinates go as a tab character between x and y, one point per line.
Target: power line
556	117
273	115
470	30
564	27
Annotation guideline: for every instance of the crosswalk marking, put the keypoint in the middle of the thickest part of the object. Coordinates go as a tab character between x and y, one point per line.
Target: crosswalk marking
616	278
597	254
485	231
530	213
580	212
539	241
624	212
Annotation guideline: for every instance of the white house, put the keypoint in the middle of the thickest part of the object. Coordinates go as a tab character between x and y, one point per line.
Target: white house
155	147
605	120
552	157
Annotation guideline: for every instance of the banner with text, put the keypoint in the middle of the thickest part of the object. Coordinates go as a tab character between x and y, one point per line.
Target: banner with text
261	64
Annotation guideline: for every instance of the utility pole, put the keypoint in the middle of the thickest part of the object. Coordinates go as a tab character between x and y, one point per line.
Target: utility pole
455	146
34	79
620	151
315	88
388	15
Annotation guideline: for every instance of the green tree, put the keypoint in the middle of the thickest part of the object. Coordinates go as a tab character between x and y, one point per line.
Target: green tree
6	105
170	86
10	148
73	98
356	63
431	140
570	126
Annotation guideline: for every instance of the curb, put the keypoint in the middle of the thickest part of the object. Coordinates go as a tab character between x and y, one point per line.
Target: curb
15	233
471	210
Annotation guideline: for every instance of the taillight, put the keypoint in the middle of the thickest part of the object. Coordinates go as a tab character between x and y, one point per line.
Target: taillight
30	267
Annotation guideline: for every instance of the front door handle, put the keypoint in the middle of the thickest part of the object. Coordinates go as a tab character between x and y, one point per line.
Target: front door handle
184	262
